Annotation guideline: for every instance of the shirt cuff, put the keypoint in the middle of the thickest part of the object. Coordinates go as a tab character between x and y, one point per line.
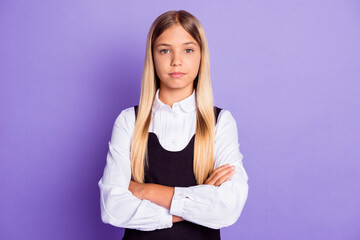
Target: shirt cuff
178	200
165	220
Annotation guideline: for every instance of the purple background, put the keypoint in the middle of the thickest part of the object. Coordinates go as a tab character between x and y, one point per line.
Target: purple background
288	71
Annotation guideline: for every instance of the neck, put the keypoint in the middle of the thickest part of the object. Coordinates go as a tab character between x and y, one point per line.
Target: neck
170	96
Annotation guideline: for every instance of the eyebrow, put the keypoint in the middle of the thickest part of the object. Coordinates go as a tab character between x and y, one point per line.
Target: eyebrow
165	44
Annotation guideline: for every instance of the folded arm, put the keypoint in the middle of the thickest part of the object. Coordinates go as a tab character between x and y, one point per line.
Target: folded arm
208	205
119	207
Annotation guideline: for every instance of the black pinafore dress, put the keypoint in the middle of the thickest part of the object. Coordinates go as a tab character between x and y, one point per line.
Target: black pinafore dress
172	168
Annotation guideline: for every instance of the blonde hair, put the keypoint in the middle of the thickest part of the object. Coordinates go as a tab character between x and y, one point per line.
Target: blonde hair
203	163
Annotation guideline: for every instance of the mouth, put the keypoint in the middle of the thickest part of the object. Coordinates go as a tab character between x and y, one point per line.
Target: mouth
177	74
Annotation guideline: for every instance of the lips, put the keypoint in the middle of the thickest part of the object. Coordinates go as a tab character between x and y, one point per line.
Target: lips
177	74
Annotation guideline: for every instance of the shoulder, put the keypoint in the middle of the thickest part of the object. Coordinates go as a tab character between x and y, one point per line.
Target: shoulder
225	122
126	119
224	116
226	139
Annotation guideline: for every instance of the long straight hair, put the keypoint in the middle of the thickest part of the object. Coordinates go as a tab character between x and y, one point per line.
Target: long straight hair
203	163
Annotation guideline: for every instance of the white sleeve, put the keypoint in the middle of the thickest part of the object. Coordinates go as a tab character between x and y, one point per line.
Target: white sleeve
119	207
216	206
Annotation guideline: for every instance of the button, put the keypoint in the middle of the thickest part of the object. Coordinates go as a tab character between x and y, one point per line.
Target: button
174	115
173	141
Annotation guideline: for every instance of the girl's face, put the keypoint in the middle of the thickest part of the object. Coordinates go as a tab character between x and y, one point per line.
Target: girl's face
176	51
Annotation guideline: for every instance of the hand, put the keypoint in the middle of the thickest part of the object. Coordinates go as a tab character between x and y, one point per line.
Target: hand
137	189
176	219
220	175
216	178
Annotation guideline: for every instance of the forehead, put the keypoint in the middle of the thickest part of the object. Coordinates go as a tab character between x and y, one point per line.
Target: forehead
174	35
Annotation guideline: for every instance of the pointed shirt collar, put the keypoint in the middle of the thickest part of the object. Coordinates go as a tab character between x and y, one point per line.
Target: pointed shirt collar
187	104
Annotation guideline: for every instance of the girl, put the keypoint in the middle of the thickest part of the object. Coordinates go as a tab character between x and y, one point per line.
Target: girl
174	169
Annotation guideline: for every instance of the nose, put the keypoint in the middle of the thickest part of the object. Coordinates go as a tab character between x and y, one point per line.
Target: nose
176	59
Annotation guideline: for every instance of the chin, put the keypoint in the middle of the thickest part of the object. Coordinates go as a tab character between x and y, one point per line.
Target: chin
175	86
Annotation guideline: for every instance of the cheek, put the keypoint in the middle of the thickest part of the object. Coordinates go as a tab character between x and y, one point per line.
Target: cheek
160	64
195	63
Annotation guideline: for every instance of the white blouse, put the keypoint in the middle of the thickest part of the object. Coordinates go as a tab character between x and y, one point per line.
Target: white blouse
208	205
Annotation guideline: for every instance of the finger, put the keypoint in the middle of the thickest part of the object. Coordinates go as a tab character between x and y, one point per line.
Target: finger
224	178
225	166
222	167
219	174
222	172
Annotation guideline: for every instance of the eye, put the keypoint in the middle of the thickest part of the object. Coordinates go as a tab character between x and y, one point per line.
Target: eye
189	49
161	51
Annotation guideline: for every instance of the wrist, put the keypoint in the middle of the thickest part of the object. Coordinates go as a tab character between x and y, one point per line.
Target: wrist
144	191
